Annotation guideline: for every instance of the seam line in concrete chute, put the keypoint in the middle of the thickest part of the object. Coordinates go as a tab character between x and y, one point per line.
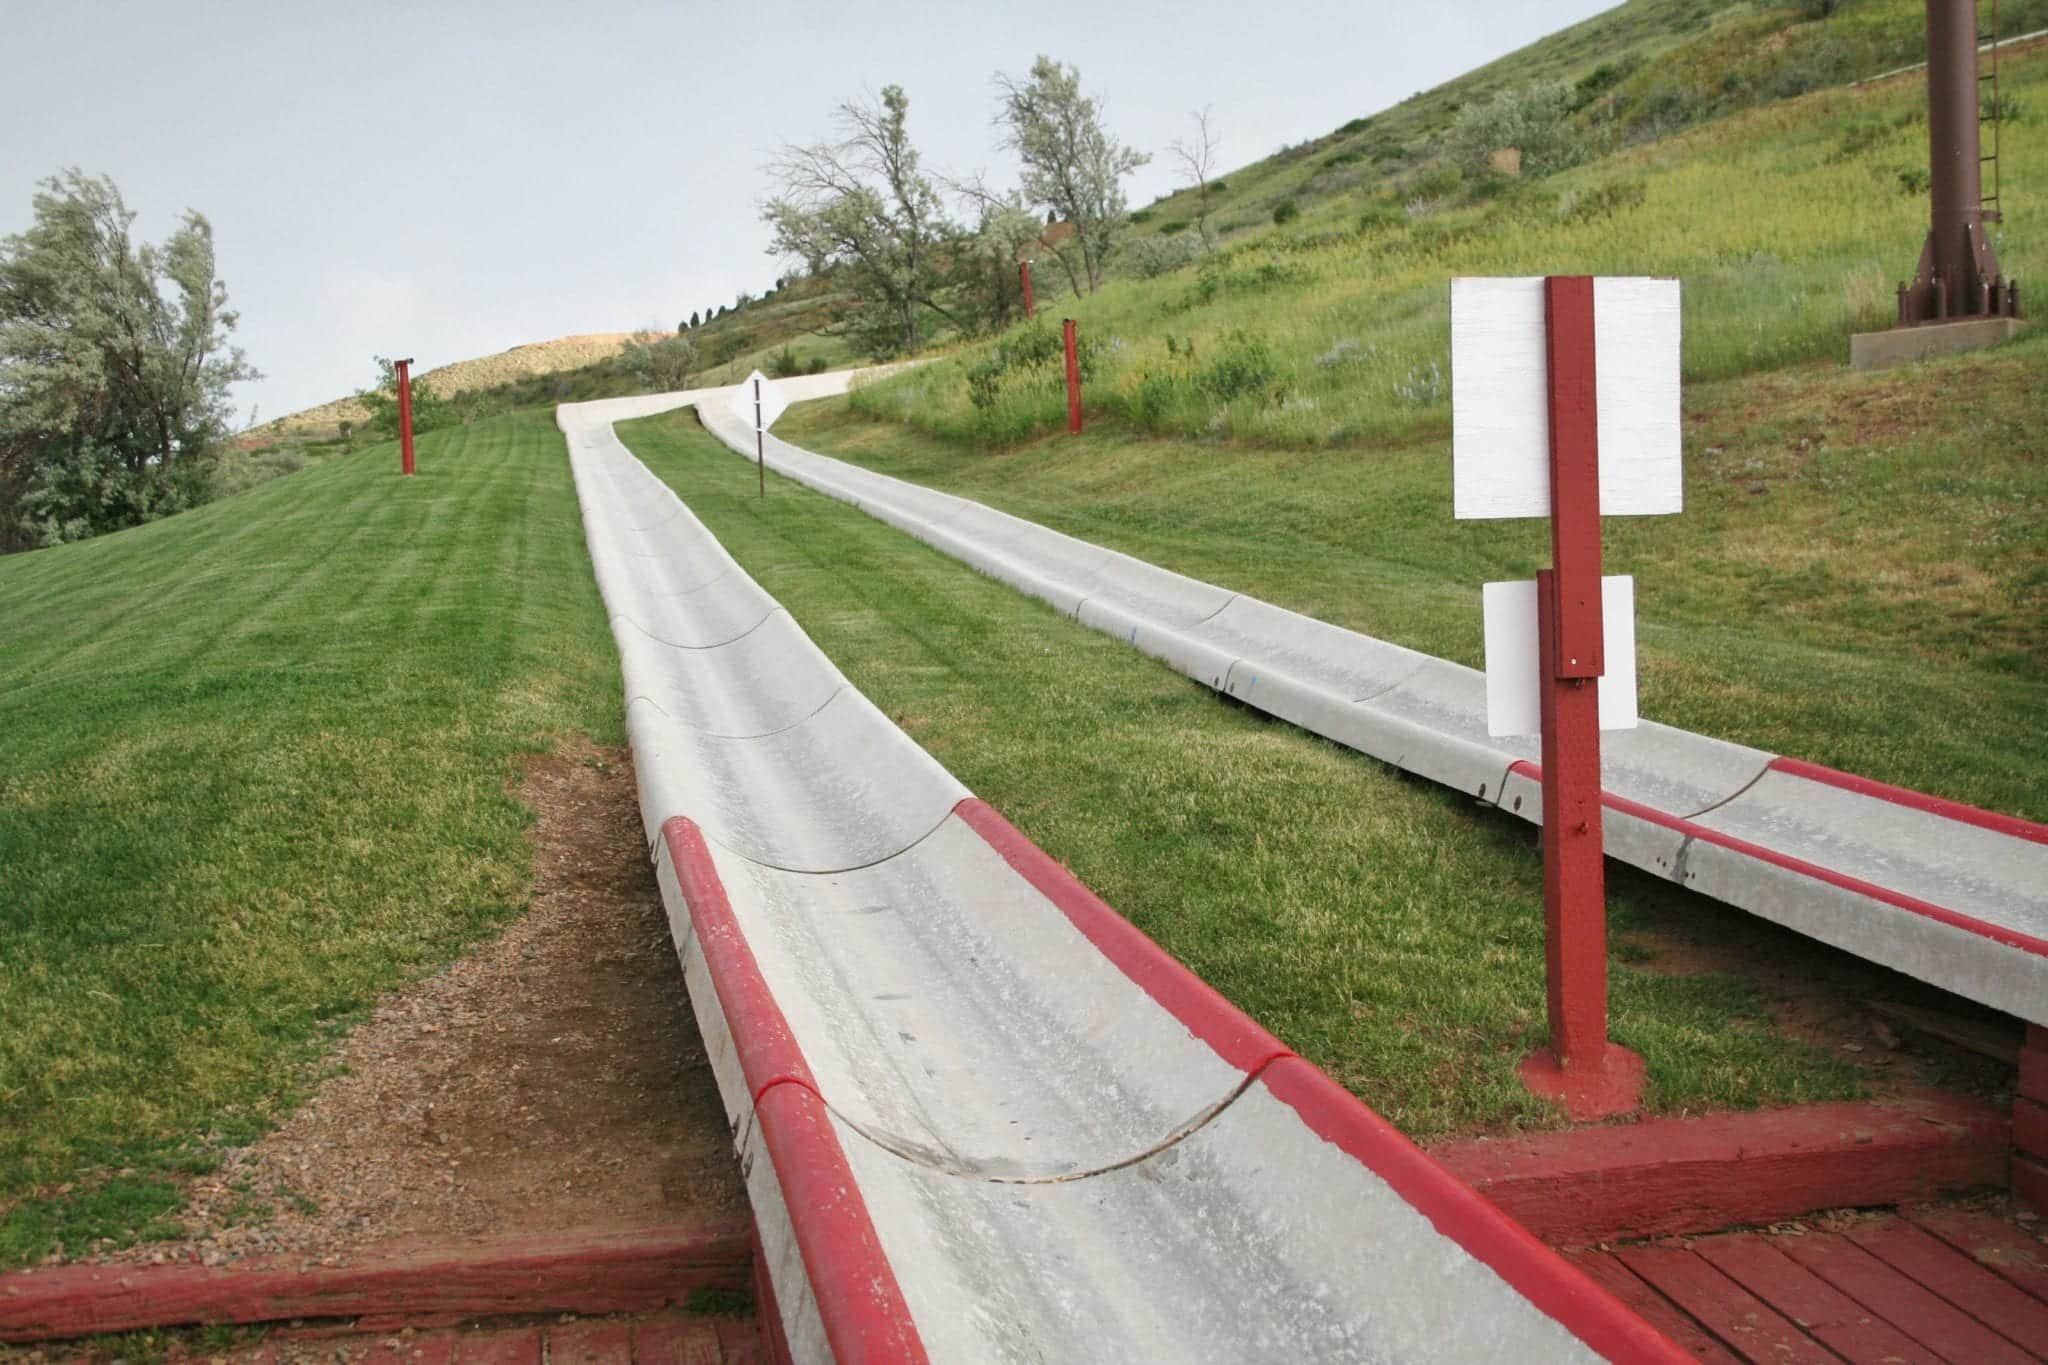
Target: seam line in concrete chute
1716	805
906	1151
656	525
757	734
1214	614
685	592
715	644
744	856
1410	676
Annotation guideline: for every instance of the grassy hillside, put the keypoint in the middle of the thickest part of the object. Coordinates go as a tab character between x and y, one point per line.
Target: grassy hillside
253	771
466	376
1788	225
1636	72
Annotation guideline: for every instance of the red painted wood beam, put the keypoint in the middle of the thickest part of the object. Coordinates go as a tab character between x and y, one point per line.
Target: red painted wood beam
636	1273
1667	1177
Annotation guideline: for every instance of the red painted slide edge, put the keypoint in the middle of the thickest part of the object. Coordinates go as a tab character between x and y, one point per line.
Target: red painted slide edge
2013	825
1228	1030
2012	938
1553	1284
859	1301
1546	1279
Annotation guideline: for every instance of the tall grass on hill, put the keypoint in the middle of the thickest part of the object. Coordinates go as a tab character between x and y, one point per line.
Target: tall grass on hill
1788	225
254	767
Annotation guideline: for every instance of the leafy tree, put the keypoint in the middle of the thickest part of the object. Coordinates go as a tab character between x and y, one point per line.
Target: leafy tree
862	207
430	411
985	261
114	367
1072	165
693	321
662	363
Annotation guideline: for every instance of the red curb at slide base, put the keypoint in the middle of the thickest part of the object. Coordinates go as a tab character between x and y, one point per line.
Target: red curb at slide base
859	1301
635	1273
1669	1177
1920	801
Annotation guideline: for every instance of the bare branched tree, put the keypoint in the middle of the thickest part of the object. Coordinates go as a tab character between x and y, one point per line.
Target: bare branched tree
861	205
1197	158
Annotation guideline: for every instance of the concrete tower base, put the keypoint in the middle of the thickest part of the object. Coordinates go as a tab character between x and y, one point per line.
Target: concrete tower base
1904	345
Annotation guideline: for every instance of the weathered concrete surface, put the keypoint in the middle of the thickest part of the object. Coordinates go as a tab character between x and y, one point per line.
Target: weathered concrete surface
1904	345
1021	1131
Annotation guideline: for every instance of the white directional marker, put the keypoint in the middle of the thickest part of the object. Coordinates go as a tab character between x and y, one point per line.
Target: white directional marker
758	401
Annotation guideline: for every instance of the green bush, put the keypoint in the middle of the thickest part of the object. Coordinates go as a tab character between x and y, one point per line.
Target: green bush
1243	365
1142	216
1537	119
1177	225
1286	211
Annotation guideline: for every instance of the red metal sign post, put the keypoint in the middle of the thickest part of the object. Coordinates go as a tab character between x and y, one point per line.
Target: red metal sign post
1591	1076
1073	377
1024	279
404	369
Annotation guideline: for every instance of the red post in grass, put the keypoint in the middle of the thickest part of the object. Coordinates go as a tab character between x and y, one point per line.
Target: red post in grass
1591	1076
1024	279
1073	377
404	368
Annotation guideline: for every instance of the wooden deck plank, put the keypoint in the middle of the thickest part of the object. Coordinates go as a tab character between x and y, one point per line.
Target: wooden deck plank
591	1343
1658	1311
1921	1256
520	1346
1745	1323
1837	1321
1993	1243
1911	1307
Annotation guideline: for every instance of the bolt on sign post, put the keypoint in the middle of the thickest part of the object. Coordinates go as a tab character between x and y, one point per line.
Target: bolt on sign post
1073	377
1024	280
404	372
1565	404
758	402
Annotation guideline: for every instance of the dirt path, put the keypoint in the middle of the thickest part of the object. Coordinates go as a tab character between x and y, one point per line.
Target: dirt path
551	1081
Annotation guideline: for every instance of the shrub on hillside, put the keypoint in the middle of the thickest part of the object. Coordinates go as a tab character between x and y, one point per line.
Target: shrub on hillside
1286	211
1537	119
1152	257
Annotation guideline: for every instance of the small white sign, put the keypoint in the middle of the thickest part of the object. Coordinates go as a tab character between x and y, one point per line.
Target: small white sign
758	387
1515	675
1500	397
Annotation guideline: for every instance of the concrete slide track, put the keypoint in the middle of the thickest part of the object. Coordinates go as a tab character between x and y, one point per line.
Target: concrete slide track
981	1117
1940	891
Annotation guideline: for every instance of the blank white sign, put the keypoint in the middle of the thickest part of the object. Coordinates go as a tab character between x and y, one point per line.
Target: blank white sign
773	403
1514	673
1500	397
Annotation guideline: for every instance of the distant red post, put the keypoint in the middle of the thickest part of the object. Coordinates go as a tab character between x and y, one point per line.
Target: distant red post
1024	279
404	368
1073	377
1591	1076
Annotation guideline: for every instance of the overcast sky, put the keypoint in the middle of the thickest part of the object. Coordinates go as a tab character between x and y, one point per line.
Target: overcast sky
448	180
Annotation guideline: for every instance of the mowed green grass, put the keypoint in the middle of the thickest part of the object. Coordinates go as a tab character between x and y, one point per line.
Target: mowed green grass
1387	929
254	768
1859	577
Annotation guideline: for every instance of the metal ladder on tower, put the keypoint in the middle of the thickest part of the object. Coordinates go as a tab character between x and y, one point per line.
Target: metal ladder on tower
1992	112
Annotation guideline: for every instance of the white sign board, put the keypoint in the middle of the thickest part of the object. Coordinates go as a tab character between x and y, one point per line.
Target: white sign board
1500	397
770	395
1514	673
